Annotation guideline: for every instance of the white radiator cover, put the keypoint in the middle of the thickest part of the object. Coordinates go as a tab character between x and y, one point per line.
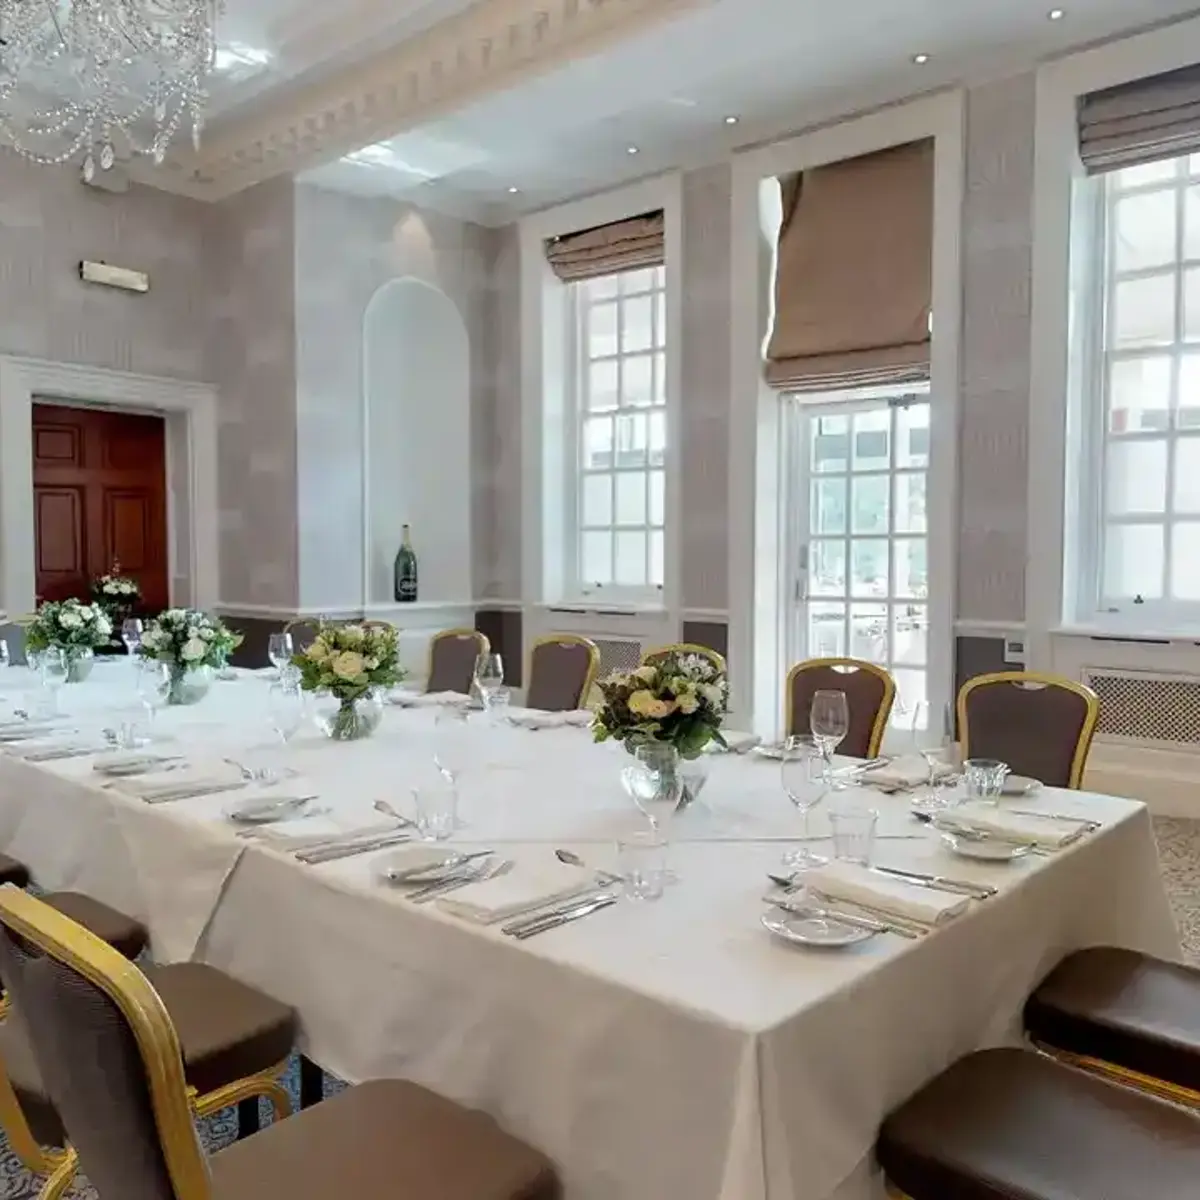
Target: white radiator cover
1152	709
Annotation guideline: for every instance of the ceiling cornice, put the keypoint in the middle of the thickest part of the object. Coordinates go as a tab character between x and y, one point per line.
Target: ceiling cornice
489	47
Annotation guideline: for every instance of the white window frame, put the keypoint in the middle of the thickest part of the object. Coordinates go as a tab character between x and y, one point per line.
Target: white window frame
576	470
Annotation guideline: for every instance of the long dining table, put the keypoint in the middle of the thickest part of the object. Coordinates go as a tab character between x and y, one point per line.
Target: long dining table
657	1049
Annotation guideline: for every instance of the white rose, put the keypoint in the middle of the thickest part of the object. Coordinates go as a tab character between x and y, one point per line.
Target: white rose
69	620
103	625
370	662
208	634
713	693
193	650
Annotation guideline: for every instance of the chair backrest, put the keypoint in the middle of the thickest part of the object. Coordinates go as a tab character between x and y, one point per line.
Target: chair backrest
108	1055
562	669
452	657
303	631
717	660
1041	725
869	690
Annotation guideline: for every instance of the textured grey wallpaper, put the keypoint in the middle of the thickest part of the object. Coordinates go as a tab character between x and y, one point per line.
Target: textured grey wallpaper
994	421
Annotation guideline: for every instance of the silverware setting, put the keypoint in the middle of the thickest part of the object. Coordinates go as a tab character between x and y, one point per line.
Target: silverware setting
1090	825
55	753
603	878
188	792
331	852
824	912
435	873
905	926
940	883
542	912
970	834
382	806
554	920
475	873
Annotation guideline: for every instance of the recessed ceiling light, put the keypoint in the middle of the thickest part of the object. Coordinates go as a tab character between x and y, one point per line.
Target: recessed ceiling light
731	120
512	191
1057	14
920	59
631	150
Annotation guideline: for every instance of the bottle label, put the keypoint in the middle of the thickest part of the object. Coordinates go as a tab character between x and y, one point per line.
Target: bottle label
407	590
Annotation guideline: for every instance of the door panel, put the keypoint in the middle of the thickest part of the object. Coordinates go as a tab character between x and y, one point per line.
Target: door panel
99	481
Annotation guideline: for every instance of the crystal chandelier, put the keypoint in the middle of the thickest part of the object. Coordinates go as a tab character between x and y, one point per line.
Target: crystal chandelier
98	77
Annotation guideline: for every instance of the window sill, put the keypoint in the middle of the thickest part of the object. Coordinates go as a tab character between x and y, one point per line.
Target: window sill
606	608
1129	633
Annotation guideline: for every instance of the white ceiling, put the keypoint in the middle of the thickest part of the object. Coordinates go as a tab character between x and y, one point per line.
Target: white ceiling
777	65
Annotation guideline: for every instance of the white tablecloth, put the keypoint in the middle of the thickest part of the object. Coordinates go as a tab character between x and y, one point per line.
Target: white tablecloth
658	1050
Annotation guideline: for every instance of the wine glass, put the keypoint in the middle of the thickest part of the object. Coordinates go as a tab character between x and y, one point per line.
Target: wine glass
5	660
53	667
829	721
800	752
153	680
450	742
654	784
279	650
934	745
489	676
285	703
131	634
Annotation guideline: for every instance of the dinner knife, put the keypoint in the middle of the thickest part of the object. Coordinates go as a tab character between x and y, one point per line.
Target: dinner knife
544	910
349	849
981	891
563	918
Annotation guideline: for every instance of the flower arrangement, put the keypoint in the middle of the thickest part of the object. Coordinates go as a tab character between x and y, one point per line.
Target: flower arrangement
188	642
677	699
75	628
349	662
116	592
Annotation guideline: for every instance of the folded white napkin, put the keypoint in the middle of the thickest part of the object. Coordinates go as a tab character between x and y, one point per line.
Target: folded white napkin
528	887
536	718
859	885
405	698
905	772
987	818
283	835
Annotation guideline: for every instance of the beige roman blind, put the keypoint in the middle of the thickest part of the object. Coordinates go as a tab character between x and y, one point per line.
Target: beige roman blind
1140	122
853	279
627	245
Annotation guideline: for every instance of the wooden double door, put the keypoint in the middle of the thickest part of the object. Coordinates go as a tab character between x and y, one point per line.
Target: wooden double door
99	497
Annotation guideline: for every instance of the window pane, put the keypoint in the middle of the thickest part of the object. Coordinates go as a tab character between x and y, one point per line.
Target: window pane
1187	477
831	444
601	288
869	632
1136	477
1191	305
910	503
658	439
637	281
602	330
597	499
826	631
1143	312
871	439
910	634
1133	561
637	386
912	571
911	689
1191	222
1139	395
660	379
1185	561
869	510
1187	412
828	506
869	567
636	331
602	386
658	487
597	558
912	436
827	568
660	319
631	499
631	559
1146	173
1144	230
657	571
598	443
631	440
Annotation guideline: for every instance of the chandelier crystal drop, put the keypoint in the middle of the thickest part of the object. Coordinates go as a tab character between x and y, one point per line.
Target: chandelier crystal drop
102	78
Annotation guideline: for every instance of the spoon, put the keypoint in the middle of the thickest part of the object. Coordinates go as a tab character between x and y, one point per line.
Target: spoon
604	878
382	806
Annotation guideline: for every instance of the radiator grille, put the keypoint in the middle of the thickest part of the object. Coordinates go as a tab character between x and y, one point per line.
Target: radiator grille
618	654
1136	707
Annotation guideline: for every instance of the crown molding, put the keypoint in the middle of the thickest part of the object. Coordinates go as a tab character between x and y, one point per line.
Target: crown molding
491	46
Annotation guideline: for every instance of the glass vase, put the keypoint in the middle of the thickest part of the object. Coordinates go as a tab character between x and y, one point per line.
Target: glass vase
347	719
188	685
80	660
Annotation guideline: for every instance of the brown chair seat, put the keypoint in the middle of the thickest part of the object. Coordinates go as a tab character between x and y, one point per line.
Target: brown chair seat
123	933
12	871
386	1138
1124	1008
1014	1125
227	1032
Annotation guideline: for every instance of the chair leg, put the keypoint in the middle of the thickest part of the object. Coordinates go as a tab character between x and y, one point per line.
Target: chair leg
60	1181
312	1083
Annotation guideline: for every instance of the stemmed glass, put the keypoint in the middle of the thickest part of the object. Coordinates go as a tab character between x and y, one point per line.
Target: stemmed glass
131	634
829	721
285	702
489	676
934	746
153	680
4	657
53	667
655	785
449	743
279	651
799	753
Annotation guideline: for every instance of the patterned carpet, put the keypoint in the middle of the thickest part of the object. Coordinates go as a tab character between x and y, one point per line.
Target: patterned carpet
1179	850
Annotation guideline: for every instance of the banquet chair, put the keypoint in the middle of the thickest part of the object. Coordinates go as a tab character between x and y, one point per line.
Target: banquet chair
658	652
116	1067
869	690
562	670
1125	1016
303	630
236	1043
1040	725
1006	1124
452	657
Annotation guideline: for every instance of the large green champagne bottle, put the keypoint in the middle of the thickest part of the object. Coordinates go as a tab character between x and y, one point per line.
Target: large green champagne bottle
405	573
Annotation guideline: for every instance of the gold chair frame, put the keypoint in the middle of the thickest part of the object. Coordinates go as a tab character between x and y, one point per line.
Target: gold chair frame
483	646
177	1105
717	660
879	727
1161	1089
576	639
1087	731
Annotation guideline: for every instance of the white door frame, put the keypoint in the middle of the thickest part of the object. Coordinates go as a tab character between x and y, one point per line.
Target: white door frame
190	412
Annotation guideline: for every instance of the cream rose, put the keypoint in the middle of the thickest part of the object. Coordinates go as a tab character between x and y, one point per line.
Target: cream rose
646	674
688	703
347	665
644	704
193	650
317	651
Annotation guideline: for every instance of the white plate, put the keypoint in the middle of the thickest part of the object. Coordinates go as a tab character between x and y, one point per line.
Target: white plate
415	864
1020	785
985	849
133	764
813	931
262	810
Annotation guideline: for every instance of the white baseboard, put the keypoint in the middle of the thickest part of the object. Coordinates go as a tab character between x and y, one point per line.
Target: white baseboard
1167	782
